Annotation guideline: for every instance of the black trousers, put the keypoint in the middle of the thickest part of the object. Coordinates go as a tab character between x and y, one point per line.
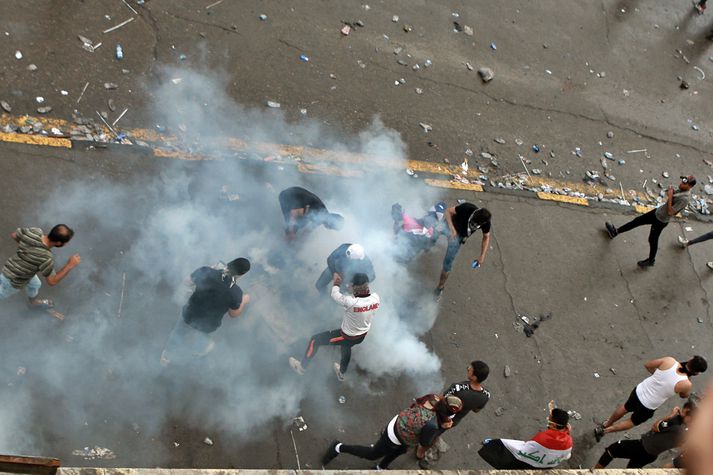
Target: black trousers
656	228
382	448
701	238
336	338
627	449
499	457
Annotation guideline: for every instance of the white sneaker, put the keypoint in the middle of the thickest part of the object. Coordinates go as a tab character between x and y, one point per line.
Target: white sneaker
683	241
710	265
338	371
296	365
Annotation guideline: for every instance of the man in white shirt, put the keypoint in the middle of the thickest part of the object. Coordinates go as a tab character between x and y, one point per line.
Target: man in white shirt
359	310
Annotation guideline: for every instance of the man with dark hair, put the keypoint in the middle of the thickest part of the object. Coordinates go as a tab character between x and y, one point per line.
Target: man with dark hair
463	220
34	256
359	309
658	219
664	435
346	260
474	397
668	378
547	449
303	210
402	432
215	293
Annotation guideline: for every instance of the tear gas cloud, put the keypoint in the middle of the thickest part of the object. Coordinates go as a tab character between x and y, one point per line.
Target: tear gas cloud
154	230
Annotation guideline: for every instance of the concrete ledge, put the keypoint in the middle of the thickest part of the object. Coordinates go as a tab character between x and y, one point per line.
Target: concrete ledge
175	471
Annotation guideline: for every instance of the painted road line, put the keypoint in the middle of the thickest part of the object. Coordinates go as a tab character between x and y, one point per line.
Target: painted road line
454	185
574	200
35	140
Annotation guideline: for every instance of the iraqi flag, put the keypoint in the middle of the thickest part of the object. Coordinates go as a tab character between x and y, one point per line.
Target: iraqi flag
547	449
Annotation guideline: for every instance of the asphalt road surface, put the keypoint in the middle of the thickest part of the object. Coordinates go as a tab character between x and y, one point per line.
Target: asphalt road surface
142	223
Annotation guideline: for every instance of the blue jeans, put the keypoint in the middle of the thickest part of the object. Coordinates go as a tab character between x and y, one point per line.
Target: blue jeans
31	289
185	342
451	252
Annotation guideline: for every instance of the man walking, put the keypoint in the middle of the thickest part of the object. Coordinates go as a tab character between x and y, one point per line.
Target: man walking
346	260
303	210
658	218
34	256
463	220
402	431
547	449
359	309
668	378
664	435
216	293
473	395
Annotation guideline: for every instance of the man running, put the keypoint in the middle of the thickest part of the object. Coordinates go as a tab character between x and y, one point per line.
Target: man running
658	219
304	210
359	309
668	378
33	256
473	395
547	449
463	220
402	431
346	260
665	434
216	293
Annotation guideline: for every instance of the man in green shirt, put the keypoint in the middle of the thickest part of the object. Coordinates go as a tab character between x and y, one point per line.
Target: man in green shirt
33	256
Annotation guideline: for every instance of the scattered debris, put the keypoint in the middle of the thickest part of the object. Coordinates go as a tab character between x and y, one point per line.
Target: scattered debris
304	58
273	104
575	415
110	86
214	4
395	18
700	320
467	30
44	109
96	452
596	375
32	67
21	370
18	54
703	75
499	140
426	127
83	91
507	372
419	90
499	411
208	440
116	27
39	99
410	172
408	28
610	134
342	399
346	29
262	17
613	371
299	423
5	106
486	74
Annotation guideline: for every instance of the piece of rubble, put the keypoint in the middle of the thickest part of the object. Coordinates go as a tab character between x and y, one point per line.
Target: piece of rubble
18	54
208	441
395	18
32	67
613	371
665	174
499	140
273	104
418	90
5	106
408	28
44	109
299	423
425	127
610	134
507	372
110	85
467	30
486	74
110	104
499	411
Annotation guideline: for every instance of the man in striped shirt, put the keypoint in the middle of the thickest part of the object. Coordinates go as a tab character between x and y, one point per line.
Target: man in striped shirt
33	256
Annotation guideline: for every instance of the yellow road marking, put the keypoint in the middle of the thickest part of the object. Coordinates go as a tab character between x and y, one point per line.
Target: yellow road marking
36	140
562	198
456	185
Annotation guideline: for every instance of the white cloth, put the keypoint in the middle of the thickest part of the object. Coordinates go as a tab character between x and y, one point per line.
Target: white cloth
358	311
391	432
657	388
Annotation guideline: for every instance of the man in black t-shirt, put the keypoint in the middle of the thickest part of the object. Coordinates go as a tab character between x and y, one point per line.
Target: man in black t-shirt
303	210
473	396
463	220
215	293
347	260
665	434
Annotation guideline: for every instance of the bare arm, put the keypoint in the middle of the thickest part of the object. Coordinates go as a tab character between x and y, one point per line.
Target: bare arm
450	212
652	365
684	388
235	312
55	279
484	246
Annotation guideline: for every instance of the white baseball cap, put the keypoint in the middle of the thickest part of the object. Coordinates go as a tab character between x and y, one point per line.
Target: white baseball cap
356	252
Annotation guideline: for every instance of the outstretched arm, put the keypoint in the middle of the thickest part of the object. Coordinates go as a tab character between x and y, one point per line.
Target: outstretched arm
484	246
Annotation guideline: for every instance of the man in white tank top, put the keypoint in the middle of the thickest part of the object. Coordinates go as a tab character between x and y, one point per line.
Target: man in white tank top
668	378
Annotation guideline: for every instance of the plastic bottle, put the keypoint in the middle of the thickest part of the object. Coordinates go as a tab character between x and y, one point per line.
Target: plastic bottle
119	52
475	264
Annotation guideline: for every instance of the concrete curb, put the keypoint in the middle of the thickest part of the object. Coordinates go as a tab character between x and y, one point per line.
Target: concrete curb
189	471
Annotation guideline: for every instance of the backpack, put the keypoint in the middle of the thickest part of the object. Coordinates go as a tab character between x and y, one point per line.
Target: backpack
410	421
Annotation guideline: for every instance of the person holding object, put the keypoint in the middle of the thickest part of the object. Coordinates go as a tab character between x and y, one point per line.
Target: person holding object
658	219
33	256
463	220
